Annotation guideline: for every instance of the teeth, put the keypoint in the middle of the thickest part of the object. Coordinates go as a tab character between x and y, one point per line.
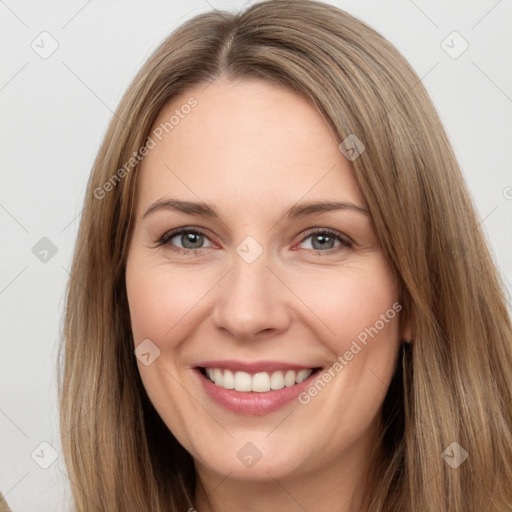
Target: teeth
302	375
228	380
259	382
217	375
242	381
289	378
277	380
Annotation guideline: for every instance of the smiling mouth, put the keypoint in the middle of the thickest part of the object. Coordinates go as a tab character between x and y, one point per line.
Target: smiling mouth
260	382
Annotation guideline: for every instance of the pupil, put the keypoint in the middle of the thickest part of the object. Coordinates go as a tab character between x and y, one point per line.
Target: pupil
324	238
188	240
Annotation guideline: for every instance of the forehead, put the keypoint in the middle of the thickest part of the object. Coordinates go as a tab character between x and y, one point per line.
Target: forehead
244	141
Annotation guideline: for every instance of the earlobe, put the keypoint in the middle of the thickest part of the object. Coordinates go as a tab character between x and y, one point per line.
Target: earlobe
407	332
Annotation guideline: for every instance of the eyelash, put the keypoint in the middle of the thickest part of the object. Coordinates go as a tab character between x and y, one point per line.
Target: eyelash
164	240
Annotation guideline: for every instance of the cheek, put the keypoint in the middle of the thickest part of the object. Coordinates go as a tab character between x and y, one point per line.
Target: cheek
361	307
352	303
160	297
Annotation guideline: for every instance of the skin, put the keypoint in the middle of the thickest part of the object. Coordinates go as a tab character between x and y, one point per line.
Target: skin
253	149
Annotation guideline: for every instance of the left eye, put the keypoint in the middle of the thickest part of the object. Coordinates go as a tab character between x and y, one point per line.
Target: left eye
324	240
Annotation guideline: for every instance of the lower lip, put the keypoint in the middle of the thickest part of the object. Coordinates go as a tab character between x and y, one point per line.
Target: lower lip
252	403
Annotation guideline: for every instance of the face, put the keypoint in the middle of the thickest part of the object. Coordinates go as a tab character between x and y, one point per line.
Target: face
267	328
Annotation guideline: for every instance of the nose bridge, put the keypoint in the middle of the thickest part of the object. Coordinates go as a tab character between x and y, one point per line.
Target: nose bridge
250	298
250	274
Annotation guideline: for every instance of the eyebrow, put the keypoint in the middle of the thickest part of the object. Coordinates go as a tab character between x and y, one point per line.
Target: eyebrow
293	212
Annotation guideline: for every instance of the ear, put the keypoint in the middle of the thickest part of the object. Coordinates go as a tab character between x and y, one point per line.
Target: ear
407	332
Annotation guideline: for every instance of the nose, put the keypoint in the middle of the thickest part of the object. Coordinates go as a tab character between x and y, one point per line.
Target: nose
252	302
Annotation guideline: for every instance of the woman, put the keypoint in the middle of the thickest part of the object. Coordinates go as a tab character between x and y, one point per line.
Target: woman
281	294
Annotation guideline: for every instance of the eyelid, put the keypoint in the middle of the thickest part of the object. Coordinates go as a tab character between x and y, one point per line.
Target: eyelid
330	231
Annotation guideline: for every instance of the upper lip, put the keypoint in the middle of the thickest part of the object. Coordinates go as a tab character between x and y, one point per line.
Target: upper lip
253	366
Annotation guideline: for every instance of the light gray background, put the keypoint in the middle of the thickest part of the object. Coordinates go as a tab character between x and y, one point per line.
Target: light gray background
54	113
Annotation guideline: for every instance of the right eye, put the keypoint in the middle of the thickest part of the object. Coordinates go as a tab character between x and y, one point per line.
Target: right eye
191	240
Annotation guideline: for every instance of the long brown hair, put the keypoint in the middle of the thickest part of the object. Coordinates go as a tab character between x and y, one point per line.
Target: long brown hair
452	383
